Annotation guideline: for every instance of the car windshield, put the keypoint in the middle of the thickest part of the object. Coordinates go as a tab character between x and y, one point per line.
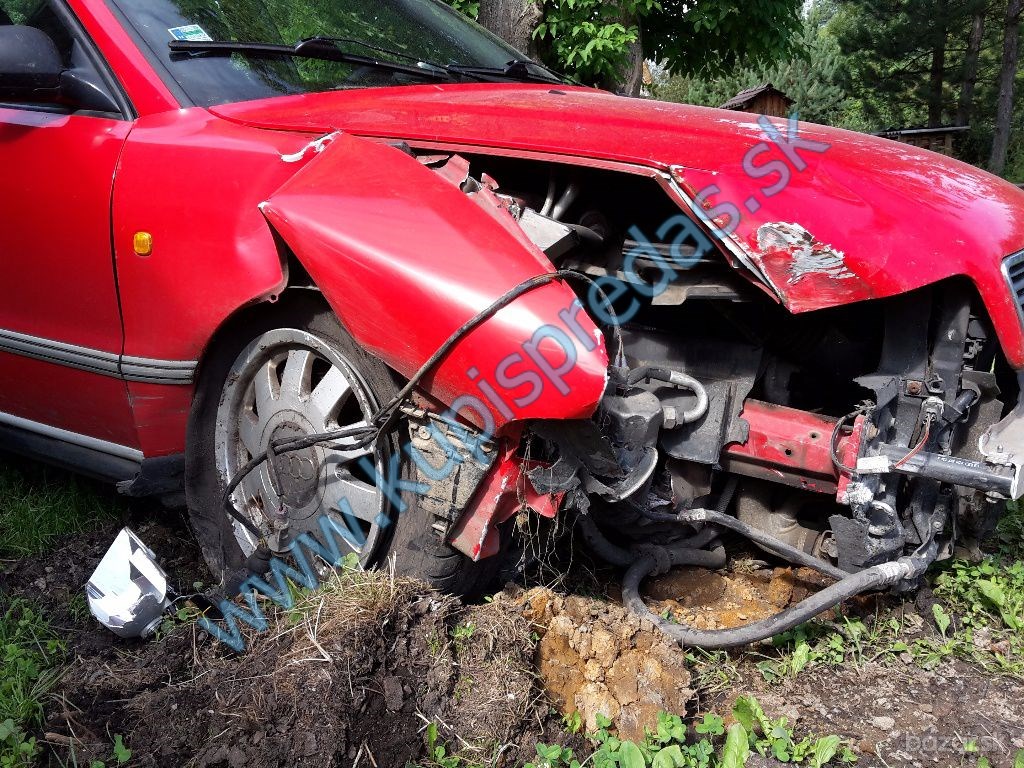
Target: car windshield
404	32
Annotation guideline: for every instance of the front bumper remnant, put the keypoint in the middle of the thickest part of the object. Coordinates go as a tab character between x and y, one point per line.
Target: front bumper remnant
1003	444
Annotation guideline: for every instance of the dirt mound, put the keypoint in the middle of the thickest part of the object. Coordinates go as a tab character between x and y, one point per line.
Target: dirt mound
357	669
595	659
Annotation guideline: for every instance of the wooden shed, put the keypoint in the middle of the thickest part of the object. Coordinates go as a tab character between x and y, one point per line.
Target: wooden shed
936	139
764	99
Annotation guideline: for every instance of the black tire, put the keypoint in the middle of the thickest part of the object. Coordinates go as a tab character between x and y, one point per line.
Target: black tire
417	549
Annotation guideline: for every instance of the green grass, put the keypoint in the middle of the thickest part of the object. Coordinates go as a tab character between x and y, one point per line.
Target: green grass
38	505
30	655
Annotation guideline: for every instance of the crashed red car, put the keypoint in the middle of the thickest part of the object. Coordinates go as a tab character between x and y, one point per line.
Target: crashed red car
361	267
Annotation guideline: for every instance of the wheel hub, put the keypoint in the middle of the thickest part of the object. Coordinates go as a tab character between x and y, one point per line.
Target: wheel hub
298	472
290	383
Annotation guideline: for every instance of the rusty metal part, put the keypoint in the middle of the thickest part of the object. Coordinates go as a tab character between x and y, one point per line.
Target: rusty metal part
790	447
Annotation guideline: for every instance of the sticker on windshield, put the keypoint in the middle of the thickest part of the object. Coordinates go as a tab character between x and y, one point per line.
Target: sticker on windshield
190	32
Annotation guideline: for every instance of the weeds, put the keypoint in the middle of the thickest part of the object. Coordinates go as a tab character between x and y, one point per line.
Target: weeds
715	671
121	754
42	504
29	656
671	744
980	619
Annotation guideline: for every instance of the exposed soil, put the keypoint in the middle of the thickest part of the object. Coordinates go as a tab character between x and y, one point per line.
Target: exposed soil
356	680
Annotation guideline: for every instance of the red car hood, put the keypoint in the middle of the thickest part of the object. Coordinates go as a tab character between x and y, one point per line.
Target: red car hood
866	218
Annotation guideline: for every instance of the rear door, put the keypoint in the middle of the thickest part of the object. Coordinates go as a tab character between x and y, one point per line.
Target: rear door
60	323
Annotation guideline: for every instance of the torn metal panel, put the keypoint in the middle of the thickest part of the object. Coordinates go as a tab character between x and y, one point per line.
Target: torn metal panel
809	257
805	272
505	491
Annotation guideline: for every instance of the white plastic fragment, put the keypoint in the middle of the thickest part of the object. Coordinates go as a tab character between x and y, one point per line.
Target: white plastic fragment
127	592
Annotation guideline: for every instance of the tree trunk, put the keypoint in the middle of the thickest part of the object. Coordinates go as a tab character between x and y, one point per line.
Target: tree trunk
512	20
937	77
1007	72
966	106
630	81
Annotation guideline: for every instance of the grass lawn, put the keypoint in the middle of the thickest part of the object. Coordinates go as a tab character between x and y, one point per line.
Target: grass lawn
39	504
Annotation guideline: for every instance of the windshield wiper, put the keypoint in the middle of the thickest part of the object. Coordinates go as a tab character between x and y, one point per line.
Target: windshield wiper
328	49
517	69
321	48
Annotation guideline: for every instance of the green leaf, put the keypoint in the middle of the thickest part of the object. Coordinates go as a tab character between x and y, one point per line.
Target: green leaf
1018	761
121	753
942	620
669	757
748	713
983	762
630	756
737	747
801	657
824	750
712	725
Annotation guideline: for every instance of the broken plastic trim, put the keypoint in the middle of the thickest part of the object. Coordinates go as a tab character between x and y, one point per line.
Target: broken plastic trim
127	593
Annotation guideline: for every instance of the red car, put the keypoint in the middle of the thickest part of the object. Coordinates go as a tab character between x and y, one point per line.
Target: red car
361	267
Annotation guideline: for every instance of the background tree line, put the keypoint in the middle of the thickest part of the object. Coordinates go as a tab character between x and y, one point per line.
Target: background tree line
866	65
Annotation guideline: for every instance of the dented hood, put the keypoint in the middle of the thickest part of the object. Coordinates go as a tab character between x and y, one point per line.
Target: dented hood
866	218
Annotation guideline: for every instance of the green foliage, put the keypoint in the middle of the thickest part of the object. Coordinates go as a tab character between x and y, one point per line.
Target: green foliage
812	76
462	634
41	504
774	738
671	745
595	42
987	602
717	36
906	61
470	8
29	655
572	722
121	753
591	38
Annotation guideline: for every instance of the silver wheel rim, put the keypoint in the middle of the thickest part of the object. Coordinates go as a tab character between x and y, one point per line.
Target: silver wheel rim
289	383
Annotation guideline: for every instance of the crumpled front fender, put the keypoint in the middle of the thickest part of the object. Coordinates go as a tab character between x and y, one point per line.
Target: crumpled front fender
405	258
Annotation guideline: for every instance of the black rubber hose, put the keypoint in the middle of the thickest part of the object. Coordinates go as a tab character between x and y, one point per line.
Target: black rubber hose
779	547
680	553
873	578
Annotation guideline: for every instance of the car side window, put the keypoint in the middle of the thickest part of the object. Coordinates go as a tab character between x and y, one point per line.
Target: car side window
84	87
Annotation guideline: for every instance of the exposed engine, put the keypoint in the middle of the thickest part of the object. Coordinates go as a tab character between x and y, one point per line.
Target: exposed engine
845	439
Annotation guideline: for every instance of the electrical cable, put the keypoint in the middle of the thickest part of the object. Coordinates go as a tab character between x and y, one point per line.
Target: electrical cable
833	443
384	421
920	445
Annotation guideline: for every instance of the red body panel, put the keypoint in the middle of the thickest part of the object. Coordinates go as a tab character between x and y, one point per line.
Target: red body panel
791	447
406	258
901	217
58	275
194	182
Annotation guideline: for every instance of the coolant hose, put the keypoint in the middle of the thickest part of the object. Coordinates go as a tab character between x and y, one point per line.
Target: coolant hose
676	379
713	639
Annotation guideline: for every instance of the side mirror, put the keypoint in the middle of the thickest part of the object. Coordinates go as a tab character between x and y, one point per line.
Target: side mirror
30	65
